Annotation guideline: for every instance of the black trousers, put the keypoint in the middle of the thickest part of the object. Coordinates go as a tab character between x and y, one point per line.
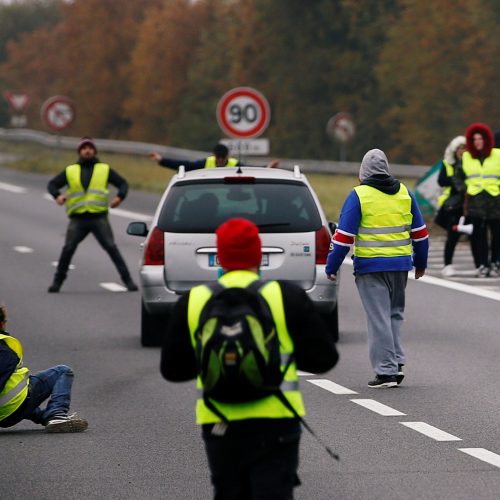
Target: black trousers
78	229
484	249
258	465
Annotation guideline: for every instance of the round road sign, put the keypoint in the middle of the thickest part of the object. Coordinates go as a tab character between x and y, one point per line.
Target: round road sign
58	112
243	113
340	127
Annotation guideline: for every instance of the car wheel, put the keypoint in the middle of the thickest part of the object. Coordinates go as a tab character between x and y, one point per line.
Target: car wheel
332	321
152	328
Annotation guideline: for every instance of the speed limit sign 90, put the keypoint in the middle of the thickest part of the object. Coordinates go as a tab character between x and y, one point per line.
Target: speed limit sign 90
243	113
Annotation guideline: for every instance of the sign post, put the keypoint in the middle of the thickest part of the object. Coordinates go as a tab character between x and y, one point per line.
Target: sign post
243	114
58	113
18	104
341	128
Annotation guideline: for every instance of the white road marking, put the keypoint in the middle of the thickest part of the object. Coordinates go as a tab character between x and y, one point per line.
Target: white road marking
483	454
12	188
113	287
119	212
431	431
54	264
487	294
130	215
22	249
300	373
431	280
331	386
377	407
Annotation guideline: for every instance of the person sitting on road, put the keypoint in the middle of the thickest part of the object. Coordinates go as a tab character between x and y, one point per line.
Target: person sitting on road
220	158
22	394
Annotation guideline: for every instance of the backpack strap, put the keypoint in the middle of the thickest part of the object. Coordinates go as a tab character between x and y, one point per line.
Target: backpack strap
288	405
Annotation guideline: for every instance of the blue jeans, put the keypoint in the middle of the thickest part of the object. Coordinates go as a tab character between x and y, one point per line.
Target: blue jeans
54	383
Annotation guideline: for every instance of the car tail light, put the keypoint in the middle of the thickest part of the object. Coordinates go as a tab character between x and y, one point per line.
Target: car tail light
322	245
154	254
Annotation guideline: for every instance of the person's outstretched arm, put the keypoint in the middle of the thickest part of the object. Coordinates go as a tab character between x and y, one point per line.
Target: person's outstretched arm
175	164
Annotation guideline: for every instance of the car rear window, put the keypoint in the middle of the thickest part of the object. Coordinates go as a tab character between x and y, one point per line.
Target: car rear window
276	206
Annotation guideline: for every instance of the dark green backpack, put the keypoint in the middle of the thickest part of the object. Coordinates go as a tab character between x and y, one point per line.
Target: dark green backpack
237	346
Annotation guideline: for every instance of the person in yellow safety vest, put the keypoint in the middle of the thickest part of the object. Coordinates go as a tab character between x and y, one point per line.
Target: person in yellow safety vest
253	451
21	394
452	198
481	172
87	200
220	158
381	219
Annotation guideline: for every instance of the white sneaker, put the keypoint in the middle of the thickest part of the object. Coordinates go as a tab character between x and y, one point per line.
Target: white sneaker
448	270
494	270
66	423
482	272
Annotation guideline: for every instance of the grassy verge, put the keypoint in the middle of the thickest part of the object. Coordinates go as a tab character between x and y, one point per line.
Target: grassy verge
145	175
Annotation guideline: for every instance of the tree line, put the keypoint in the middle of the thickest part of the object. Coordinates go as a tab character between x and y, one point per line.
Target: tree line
412	74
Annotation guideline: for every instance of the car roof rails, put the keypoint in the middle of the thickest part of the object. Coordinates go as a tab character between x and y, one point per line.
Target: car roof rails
181	173
296	172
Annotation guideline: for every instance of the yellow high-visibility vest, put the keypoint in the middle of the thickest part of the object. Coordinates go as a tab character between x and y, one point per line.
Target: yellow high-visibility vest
384	230
485	177
95	199
450	170
16	389
270	406
210	162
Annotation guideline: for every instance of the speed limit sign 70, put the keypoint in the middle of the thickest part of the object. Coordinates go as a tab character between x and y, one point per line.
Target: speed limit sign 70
243	113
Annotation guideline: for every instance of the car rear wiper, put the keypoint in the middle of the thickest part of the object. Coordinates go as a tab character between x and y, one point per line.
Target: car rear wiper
273	224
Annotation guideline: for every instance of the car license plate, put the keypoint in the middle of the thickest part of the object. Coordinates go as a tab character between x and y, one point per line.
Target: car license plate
213	261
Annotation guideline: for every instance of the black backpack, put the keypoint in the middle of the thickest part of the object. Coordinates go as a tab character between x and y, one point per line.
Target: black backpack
238	350
237	346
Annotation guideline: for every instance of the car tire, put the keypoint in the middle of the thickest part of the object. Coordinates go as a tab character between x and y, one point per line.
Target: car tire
152	328
332	321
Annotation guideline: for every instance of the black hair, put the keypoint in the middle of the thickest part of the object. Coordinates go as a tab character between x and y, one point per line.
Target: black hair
220	151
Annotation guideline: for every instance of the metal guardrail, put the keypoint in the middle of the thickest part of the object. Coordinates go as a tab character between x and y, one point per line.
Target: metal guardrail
144	148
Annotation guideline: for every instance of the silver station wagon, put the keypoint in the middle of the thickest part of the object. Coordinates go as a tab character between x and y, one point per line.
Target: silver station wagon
180	248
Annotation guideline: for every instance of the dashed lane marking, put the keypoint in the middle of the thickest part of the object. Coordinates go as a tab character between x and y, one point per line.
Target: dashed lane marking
379	408
300	373
12	188
483	454
113	287
22	249
130	215
331	386
431	431
55	263
119	212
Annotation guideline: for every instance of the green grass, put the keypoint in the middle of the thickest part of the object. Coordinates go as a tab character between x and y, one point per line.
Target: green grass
145	175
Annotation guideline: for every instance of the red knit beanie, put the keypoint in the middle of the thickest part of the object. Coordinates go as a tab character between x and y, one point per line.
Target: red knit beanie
238	245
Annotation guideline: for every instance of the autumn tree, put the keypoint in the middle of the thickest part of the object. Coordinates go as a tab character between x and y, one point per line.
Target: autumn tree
434	76
167	43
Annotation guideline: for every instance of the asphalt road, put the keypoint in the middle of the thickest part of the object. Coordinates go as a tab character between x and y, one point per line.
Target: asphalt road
142	442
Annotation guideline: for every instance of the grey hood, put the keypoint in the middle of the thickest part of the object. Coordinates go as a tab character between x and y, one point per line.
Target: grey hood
374	163
374	172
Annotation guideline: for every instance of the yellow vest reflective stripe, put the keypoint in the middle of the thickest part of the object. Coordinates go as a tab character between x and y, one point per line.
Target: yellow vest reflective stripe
384	230
95	198
210	162
16	389
450	170
485	177
268	407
